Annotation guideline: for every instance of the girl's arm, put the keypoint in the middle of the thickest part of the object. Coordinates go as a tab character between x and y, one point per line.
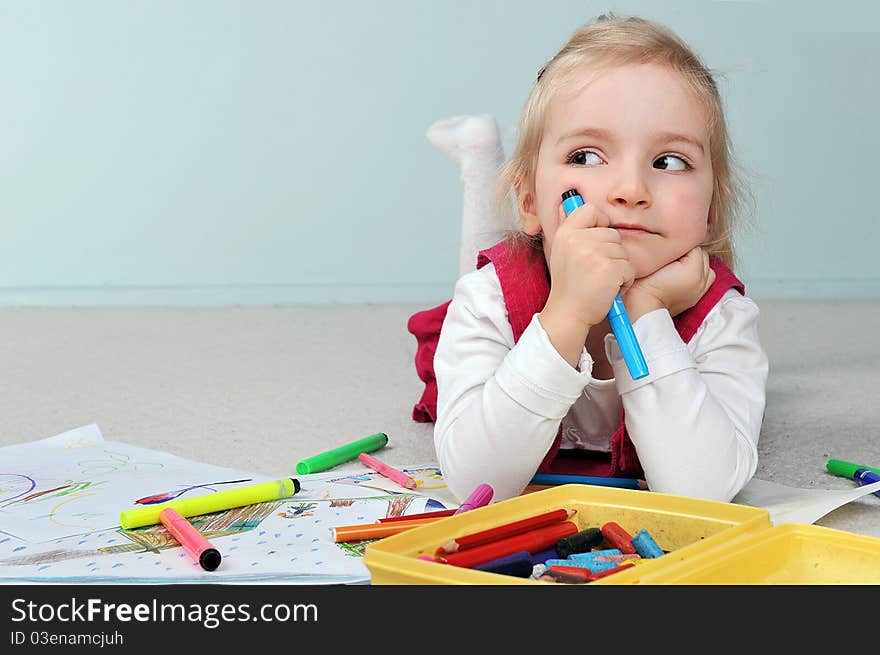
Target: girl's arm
696	419
499	404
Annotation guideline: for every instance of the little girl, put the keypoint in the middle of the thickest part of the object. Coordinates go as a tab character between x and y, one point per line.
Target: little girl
529	377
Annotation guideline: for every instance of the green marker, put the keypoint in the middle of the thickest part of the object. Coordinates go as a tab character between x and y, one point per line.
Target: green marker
331	458
214	502
847	469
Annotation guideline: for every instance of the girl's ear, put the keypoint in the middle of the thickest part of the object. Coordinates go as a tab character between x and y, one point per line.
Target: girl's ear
527	214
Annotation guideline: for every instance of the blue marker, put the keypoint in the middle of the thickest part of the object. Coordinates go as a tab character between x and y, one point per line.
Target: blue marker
617	316
562	478
865	476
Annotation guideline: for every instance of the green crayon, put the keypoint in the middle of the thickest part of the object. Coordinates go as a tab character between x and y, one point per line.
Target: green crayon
213	502
331	458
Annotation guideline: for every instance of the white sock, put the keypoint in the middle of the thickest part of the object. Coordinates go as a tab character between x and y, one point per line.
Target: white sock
473	143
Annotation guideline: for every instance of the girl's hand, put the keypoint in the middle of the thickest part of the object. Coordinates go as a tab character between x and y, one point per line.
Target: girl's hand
677	286
588	267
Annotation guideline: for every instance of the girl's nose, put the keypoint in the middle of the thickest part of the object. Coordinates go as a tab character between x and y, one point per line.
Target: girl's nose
630	189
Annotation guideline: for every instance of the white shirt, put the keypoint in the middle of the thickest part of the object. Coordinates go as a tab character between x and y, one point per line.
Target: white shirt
694	420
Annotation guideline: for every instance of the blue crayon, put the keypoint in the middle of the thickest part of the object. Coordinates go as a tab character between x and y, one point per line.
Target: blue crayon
618	319
645	545
544	555
593	554
566	562
518	564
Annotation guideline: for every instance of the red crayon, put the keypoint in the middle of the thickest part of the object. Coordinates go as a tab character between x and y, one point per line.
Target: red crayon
532	541
607	572
503	531
620	538
576	571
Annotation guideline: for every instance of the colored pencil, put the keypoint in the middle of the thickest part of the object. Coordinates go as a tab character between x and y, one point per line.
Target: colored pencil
532	541
383	469
375	530
507	530
424	515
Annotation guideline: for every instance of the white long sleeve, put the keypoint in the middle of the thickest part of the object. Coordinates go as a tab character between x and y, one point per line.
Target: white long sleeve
695	420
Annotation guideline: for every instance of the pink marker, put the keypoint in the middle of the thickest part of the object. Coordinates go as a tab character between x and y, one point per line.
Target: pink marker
193	542
389	472
479	497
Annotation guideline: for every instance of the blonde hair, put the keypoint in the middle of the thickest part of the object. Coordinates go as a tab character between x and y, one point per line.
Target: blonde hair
607	43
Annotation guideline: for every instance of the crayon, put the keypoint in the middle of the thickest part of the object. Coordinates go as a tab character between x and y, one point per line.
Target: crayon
589	564
194	543
558	576
544	555
612	571
479	497
361	531
576	571
398	477
581	542
537	571
330	458
625	557
618	537
506	530
518	564
532	541
645	545
593	554
213	502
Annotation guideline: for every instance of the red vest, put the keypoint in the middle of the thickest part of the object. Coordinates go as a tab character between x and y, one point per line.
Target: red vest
525	285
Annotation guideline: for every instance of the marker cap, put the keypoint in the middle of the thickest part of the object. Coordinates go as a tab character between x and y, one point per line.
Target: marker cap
209	559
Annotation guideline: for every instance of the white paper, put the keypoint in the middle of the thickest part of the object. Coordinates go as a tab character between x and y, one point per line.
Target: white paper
277	541
76	482
60	500
794	505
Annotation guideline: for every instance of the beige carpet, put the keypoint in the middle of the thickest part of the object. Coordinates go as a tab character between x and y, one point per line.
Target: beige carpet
261	388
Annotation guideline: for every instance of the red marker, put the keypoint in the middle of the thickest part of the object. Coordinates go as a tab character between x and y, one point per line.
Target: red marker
193	542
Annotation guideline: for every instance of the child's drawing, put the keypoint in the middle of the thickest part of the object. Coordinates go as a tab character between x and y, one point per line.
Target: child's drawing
76	483
429	482
275	540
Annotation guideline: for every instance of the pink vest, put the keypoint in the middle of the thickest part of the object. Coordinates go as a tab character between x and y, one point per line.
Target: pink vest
525	285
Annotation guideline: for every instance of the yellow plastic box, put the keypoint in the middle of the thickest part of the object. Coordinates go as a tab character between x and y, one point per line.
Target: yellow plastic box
682	526
793	553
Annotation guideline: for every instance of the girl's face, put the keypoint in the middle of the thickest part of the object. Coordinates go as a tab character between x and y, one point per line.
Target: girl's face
633	141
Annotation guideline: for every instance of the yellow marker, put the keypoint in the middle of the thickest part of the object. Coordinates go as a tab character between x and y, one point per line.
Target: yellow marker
214	502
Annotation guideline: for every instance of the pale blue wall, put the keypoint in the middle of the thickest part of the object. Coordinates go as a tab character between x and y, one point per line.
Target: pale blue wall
169	152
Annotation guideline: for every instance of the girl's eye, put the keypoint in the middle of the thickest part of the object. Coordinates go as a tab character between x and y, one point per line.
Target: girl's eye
583	158
672	163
